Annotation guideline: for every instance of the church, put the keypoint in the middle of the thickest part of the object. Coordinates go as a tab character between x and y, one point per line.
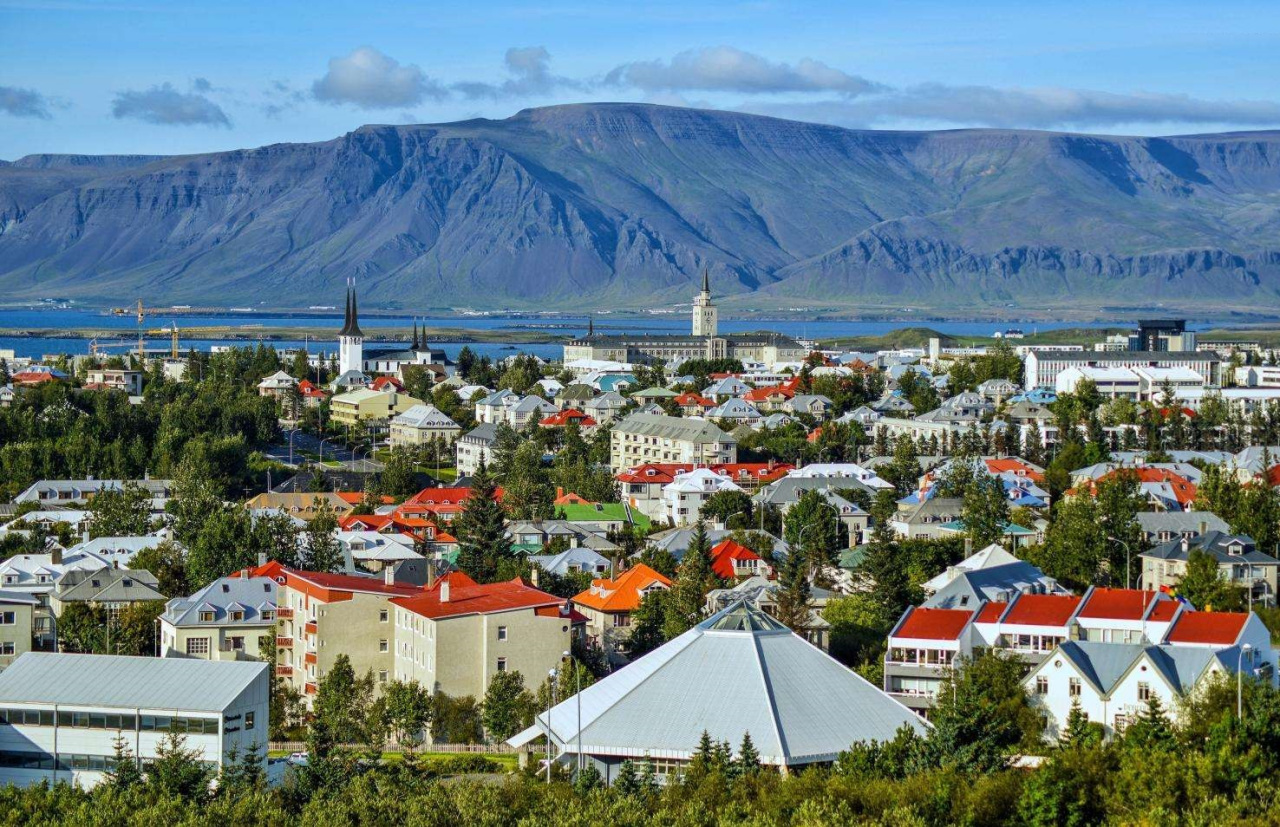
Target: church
356	363
705	342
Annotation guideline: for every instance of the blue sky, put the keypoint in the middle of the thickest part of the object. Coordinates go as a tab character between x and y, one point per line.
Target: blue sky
120	76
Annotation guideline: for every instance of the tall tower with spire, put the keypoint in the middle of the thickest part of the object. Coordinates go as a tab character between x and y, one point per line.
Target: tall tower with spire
350	339
704	312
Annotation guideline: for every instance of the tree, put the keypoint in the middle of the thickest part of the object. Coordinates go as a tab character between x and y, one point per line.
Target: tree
399	477
343	702
981	713
694	579
1078	732
178	770
508	706
748	761
82	628
732	509
456	720
793	598
647	623
123	773
859	624
168	562
120	512
481	530
904	471
527	490
1205	587
1075	545
985	510
813	530
407	706
322	550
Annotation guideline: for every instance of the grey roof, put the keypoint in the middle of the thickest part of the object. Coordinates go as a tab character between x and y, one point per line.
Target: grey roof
1153	522
788	489
484	432
996	584
1090	356
178	684
583	559
1104	664
108	585
672	427
740	671
19	597
249	594
424	416
81	490
1217	544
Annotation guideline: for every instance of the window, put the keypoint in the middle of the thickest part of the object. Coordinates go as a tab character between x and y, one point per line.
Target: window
7	618
197	646
502	664
248	717
382	645
206	617
382	616
622	620
1144	691
268	614
1073	687
502	633
237	615
1042	685
6	647
382	676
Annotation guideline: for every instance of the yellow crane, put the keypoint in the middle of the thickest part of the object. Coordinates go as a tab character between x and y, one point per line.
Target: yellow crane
172	332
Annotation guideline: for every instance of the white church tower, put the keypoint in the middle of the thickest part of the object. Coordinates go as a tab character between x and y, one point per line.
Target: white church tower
350	339
704	312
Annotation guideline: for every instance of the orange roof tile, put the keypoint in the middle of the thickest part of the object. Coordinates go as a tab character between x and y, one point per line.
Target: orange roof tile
1117	604
725	553
934	624
623	593
468	597
1221	628
1042	609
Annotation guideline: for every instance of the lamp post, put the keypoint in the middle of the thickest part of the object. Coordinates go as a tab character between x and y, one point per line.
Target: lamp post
551	674
1240	681
1126	559
322	442
292	434
803	529
577	677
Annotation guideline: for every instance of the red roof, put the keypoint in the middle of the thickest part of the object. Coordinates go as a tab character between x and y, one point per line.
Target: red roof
990	612
654	473
622	594
563	418
306	388
1010	465
1221	628
1117	604
688	399
327	585
1164	611
468	597
383	383
763	394
762	471
934	624
1042	609
445	496
725	553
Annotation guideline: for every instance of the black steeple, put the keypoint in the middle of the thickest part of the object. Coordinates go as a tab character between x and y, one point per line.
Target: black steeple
591	326
706	279
350	325
415	334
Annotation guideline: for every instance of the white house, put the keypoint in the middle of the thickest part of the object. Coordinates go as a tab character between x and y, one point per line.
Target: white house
683	497
62	713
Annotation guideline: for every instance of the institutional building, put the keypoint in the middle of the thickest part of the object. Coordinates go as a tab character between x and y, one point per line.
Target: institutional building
705	342
60	714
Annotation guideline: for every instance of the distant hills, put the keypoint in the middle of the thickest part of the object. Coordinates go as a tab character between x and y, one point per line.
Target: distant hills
623	205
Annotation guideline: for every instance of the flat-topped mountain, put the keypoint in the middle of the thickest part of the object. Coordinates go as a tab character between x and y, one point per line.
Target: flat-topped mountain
625	204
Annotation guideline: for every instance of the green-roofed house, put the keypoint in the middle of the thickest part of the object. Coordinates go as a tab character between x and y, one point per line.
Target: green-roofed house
1016	535
602	516
653	394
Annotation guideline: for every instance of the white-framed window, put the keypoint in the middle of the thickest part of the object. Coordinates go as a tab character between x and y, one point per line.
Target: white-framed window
502	633
1073	687
7	618
197	646
502	664
206	617
382	676
1144	691
7	647
383	616
1042	685
237	615
382	645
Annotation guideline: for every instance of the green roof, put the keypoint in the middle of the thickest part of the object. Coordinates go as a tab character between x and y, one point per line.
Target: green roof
601	512
655	393
1009	528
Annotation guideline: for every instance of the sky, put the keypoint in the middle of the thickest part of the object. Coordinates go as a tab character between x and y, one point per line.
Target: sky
185	76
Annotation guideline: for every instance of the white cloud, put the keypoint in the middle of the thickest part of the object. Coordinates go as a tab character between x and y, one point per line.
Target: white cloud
530	67
165	105
368	79
726	69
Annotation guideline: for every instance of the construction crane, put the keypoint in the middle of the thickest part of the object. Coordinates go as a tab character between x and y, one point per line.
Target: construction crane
172	332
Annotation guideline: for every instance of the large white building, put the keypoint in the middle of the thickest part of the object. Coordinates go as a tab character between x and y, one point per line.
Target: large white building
60	714
1042	366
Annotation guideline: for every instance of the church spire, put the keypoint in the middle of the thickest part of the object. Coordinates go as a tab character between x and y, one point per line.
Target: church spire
706	279
351	324
415	333
591	326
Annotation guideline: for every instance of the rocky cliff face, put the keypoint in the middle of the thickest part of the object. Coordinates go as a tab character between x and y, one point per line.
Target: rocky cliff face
623	204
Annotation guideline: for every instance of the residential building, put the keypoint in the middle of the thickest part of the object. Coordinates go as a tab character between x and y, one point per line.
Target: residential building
66	493
761	593
303	506
129	381
60	714
232	618
419	425
278	386
608	605
34	575
365	406
108	588
1163	526
1042	366
732	561
17	624
475	448
647	438
685	495
799	705
1239	561
454	636
574	560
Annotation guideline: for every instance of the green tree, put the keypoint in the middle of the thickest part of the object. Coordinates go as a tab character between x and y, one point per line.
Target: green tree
812	531
177	769
694	579
481	530
399	476
123	774
1205	587
82	628
323	553
168	562
527	490
985	510
343	702
122	512
731	508
794	596
982	713
407	708
1075	545
647	623
508	706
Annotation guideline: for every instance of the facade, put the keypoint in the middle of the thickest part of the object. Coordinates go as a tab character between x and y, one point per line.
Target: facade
641	439
1041	367
456	635
350	339
62	713
419	425
232	618
608	605
78	492
685	495
704	312
362	406
17	625
738	672
474	448
1239	560
34	575
129	381
109	588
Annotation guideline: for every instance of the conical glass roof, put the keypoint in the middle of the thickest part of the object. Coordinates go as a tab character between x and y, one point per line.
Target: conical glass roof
741	617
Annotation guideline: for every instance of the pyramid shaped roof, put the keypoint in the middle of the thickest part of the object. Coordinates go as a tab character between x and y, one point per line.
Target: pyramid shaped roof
740	671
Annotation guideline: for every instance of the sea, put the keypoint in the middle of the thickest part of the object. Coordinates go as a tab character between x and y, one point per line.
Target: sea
72	319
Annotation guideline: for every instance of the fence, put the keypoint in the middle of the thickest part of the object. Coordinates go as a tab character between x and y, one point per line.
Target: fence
470	749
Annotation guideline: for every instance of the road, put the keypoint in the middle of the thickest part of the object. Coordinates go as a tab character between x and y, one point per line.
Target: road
333	450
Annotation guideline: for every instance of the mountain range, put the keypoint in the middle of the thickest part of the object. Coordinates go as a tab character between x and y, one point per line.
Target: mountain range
624	205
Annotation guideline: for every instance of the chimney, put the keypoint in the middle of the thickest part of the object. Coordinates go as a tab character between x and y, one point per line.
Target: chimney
262	558
1185	545
444	590
244	574
1204	527
968	546
431	572
533	576
55	554
389	574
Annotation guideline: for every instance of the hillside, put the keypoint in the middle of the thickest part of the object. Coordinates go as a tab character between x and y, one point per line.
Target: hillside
625	204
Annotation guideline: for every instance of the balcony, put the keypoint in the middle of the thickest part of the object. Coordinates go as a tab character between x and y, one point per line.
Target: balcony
310	688
284	613
310	627
309	658
284	642
284	671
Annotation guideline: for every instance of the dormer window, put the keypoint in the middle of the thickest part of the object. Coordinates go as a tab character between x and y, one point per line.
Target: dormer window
237	616
206	617
126	582
268	614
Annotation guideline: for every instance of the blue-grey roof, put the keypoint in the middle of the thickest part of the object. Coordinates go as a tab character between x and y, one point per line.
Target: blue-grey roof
1104	664
178	684
740	671
1218	545
676	541
248	594
996	584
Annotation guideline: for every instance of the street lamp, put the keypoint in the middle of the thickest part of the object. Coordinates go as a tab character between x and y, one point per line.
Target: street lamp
1240	681
322	442
1126	559
551	702
577	677
292	433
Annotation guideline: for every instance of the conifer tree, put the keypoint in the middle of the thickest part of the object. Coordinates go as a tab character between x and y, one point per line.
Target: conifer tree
124	772
694	579
748	762
481	530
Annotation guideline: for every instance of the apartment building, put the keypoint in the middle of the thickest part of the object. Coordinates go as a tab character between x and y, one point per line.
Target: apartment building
17	625
1240	562
455	635
364	405
642	439
232	618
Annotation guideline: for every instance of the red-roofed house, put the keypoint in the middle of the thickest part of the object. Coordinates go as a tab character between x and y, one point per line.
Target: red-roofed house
455	635
692	404
563	418
1015	466
388	383
752	475
641	486
769	399
731	561
922	645
312	396
608	605
1218	629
